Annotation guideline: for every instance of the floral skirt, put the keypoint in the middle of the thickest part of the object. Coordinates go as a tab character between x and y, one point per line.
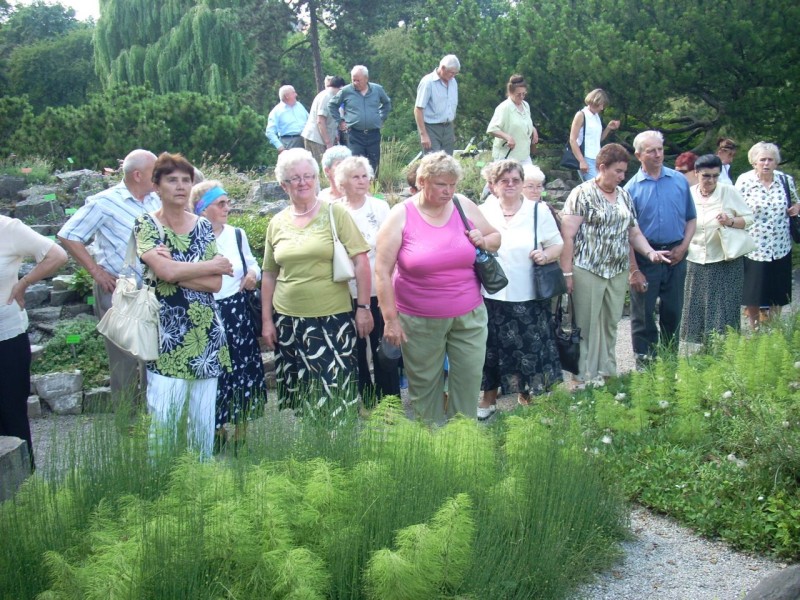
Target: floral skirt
315	363
243	390
521	351
711	299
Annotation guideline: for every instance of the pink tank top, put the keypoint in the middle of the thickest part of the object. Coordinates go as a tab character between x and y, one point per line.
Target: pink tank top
435	275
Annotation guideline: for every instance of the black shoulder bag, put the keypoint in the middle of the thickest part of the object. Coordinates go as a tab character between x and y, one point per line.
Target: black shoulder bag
568	158
548	280
794	222
568	341
252	297
487	267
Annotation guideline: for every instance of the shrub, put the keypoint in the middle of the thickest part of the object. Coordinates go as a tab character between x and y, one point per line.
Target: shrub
255	226
88	355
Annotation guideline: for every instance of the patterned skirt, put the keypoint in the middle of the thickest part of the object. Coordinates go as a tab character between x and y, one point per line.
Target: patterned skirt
521	351
315	363
242	391
711	299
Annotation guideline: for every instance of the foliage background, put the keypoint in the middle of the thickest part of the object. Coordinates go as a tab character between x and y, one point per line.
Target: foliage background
674	65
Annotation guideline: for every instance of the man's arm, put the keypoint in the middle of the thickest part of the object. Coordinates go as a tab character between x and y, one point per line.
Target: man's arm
333	106
272	131
78	251
423	133
386	105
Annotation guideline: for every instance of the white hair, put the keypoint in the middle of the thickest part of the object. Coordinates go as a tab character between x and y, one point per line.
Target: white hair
350	165
289	158
450	62
137	160
335	154
360	69
650	134
533	173
285	89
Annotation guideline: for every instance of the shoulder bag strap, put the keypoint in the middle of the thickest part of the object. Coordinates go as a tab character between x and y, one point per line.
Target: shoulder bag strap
333	222
239	245
460	211
785	184
535	224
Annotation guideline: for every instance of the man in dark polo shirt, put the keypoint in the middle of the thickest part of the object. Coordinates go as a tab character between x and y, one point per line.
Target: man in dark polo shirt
365	106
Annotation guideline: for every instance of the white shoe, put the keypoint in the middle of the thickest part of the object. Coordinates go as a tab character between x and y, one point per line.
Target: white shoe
484	412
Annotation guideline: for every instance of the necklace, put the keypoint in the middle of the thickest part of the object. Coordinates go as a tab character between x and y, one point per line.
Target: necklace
313	206
703	193
508	216
597	183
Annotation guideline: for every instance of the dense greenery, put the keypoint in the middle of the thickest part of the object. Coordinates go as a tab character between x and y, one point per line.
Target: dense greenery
88	355
382	509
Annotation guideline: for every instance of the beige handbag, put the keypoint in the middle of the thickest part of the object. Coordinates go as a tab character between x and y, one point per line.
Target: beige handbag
343	269
735	242
132	321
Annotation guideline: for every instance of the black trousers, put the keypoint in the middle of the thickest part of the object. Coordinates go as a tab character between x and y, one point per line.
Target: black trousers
366	144
15	387
387	381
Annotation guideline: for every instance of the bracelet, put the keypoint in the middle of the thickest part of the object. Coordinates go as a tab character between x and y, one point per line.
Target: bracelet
568	274
364	306
634	272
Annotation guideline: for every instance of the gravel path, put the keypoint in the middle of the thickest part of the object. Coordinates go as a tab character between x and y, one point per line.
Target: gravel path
664	561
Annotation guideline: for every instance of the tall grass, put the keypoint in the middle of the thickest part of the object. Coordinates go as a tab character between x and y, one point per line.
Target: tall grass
383	508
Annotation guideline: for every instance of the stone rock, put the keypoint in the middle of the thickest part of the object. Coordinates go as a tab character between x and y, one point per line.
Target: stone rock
15	465
783	585
36	296
62	297
98	400
6	211
62	282
266	192
49	387
48	315
72	179
11	185
558	184
73	310
35	206
36	351
268	360
69	404
34	407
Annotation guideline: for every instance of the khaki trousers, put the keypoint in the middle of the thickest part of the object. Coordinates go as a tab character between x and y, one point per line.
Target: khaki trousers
598	308
463	339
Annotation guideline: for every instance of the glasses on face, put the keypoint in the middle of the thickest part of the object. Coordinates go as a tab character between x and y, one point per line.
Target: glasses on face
509	182
307	178
709	175
520	94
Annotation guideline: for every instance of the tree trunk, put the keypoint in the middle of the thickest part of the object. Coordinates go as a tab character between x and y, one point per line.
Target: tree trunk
313	36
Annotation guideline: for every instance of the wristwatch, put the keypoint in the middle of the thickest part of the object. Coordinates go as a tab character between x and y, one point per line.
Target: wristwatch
364	306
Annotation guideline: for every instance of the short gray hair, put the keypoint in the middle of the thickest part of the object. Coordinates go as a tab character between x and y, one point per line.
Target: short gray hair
350	165
335	154
360	69
137	160
438	164
283	91
450	62
289	158
533	173
650	134
760	148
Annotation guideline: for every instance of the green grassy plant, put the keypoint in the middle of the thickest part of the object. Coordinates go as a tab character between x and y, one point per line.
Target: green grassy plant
255	226
383	508
41	169
88	355
395	156
82	282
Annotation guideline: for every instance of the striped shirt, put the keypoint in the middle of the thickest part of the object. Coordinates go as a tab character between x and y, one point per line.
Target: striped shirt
108	218
601	244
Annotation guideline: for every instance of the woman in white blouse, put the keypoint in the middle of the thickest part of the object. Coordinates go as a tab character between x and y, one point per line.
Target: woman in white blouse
711	298
243	390
521	353
353	177
772	196
587	132
18	241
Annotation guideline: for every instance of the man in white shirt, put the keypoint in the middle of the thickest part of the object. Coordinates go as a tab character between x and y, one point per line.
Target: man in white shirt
108	218
436	105
286	121
320	132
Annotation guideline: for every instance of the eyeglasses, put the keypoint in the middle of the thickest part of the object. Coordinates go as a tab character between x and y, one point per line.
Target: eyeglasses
709	175
307	178
509	182
533	186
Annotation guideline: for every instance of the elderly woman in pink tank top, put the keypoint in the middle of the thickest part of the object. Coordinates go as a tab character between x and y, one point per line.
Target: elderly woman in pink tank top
431	302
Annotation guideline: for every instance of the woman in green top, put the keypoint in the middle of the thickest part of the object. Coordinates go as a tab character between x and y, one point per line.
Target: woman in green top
307	317
185	269
512	126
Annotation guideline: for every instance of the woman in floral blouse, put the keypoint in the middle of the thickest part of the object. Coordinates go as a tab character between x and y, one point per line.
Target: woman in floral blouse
772	196
185	269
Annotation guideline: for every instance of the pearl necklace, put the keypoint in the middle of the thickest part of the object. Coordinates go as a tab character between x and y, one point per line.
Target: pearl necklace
302	214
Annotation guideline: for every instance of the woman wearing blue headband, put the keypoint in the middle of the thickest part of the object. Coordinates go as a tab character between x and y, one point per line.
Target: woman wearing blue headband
243	390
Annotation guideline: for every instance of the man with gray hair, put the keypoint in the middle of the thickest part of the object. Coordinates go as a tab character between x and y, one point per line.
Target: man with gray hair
286	121
366	107
320	132
435	107
667	217
107	218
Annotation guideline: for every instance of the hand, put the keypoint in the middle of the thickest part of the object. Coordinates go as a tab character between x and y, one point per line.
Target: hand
638	282
269	333
364	323
583	166
222	266
535	136
249	281
426	141
538	257
105	280
476	237
673	256
393	332
18	293
162	250
613	125
510	142
794	210
570	284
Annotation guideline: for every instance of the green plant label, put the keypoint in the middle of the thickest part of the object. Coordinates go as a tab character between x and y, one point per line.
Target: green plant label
74	339
49	196
69	160
90	300
51	237
480	164
70	211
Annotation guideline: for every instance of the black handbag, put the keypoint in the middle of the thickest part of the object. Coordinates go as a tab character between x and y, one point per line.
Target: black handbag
548	280
567	341
568	158
794	222
252	297
487	266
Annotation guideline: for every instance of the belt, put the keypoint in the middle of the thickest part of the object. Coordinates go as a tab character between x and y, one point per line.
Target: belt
292	135
442	123
669	246
365	131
